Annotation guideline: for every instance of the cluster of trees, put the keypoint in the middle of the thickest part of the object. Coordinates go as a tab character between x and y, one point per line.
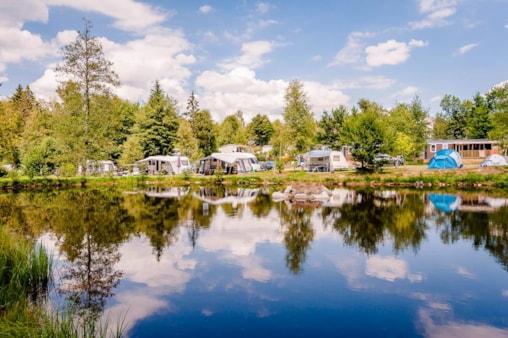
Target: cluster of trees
483	116
89	122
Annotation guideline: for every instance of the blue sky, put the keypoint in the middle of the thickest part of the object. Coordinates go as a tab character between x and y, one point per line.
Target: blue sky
241	54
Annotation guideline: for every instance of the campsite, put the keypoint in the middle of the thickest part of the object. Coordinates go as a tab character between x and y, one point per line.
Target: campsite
253	168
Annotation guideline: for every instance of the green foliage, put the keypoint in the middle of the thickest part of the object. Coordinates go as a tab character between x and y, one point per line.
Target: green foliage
25	269
455	115
479	122
159	125
187	142
205	132
280	139
440	127
261	130
404	145
410	123
298	118
367	134
330	128
498	102
41	160
232	130
92	74
131	151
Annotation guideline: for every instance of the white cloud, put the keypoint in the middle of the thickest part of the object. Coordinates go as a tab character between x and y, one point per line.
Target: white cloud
263	7
366	82
252	55
436	98
163	55
205	9
19	45
353	51
407	92
391	52
15	13
239	88
128	14
316	58
436	13
466	48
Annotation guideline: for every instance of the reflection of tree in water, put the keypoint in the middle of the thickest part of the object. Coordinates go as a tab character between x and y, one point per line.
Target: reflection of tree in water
298	233
487	230
156	218
196	216
367	223
90	226
261	206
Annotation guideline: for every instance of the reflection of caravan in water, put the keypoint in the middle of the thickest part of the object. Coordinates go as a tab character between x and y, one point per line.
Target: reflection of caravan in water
158	192
233	196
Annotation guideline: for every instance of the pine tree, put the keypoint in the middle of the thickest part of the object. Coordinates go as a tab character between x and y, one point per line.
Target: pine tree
158	128
192	106
85	64
204	131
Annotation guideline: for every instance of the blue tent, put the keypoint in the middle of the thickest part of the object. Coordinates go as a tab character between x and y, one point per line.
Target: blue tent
446	159
444	202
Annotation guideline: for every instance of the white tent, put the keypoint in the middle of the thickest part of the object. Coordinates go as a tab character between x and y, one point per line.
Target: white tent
230	163
494	160
166	164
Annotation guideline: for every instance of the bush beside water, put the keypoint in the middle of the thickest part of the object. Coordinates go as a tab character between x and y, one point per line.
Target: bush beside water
25	275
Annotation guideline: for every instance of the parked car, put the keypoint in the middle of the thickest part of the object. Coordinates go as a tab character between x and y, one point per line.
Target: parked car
385	159
268	165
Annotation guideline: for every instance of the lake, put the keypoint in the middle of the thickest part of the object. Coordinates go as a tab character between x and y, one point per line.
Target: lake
231	262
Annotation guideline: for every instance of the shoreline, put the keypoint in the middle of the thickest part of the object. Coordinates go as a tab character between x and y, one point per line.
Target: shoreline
403	177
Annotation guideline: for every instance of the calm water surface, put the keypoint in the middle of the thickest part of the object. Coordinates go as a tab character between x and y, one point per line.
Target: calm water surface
234	263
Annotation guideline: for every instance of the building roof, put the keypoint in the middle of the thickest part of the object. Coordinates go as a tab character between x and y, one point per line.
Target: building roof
463	141
163	158
230	157
318	153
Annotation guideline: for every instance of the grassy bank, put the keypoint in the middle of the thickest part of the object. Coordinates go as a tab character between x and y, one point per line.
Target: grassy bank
407	176
25	275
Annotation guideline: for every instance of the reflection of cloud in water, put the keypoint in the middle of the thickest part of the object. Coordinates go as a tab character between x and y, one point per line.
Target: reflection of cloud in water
352	269
435	326
237	239
390	268
155	279
465	272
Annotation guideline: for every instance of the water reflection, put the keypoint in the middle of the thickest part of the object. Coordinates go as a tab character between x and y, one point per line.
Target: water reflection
168	257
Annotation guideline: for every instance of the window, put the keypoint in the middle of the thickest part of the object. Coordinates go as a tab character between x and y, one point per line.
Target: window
433	148
336	158
488	146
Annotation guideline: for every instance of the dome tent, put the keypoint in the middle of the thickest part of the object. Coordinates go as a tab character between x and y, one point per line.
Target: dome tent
494	160
446	159
445	202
